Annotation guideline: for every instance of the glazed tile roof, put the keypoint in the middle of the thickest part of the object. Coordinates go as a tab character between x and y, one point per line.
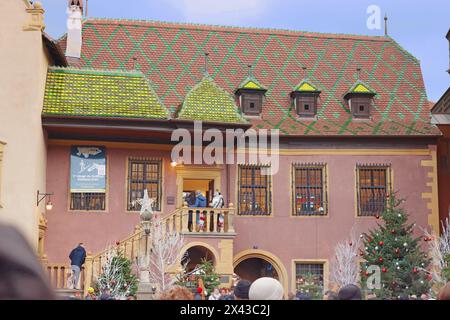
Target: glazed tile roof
207	101
171	55
101	93
306	86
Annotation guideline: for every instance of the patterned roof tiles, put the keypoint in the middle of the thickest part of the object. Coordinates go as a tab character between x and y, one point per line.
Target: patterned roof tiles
207	101
101	93
171	57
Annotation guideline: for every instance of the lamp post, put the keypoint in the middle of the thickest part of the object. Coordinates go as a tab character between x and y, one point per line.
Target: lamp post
145	289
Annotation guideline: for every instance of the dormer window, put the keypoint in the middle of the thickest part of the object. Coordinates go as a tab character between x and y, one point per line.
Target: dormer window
305	97
250	94
251	103
360	99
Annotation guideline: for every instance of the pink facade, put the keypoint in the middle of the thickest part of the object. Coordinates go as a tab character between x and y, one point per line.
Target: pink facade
284	236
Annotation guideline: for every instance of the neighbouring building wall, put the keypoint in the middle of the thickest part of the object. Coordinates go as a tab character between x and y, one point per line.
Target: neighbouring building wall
23	65
444	172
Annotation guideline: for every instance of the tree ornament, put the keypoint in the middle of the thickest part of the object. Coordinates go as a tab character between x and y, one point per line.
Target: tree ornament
415	270
399	215
384	270
381	259
376	248
397	250
393	231
405	244
381	243
377	217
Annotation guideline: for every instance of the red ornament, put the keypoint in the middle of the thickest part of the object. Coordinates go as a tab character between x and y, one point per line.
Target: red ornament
384	270
393	231
429	277
380	243
381	260
369	240
366	274
397	250
415	270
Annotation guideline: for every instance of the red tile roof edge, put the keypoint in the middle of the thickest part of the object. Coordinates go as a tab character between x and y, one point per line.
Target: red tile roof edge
237	29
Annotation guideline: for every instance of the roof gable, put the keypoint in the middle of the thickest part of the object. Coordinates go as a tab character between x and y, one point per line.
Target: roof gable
306	86
171	57
208	102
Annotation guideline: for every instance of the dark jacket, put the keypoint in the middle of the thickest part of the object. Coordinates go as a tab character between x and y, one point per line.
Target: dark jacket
77	256
200	202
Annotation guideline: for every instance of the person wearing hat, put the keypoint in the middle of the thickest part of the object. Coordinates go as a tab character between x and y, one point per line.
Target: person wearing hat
266	289
350	292
241	290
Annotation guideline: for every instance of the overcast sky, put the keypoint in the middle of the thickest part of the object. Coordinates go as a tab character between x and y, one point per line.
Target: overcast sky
419	26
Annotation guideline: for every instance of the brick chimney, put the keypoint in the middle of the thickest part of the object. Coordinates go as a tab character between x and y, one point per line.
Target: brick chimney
74	26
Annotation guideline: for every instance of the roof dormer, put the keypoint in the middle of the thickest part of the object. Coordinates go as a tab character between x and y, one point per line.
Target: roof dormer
360	100
305	96
250	94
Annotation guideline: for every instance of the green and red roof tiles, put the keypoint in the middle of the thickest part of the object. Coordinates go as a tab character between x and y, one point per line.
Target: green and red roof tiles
101	93
208	102
172	57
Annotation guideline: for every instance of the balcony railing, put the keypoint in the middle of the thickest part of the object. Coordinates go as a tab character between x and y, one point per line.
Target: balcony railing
200	221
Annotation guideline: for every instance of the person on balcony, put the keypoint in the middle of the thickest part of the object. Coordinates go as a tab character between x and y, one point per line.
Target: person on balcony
200	200
77	257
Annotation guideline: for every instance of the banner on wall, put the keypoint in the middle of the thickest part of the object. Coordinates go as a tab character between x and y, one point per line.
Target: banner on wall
87	169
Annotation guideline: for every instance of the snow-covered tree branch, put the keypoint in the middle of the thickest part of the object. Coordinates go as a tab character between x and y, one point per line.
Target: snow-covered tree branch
345	266
439	250
164	254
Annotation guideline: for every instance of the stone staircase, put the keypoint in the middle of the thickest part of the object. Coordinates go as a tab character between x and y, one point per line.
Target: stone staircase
190	222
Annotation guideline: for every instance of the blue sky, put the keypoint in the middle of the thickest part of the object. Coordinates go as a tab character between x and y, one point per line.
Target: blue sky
419	26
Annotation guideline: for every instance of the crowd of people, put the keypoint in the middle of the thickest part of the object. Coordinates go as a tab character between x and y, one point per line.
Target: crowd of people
271	289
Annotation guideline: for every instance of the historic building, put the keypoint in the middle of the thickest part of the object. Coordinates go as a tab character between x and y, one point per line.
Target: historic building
26	52
441	118
352	112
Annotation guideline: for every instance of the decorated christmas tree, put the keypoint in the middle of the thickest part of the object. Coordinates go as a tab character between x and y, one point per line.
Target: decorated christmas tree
205	272
310	286
116	276
392	248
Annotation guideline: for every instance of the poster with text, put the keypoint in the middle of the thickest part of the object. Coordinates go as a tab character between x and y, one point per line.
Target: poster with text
87	169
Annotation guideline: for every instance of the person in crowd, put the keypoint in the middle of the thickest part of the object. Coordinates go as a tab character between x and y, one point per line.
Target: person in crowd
303	296
215	295
425	296
444	293
200	200
330	295
90	294
241	290
177	293
77	257
106	295
198	294
190	199
350	292
22	276
266	289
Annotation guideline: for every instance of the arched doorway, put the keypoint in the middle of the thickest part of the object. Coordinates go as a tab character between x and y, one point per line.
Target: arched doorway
271	264
254	268
195	255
